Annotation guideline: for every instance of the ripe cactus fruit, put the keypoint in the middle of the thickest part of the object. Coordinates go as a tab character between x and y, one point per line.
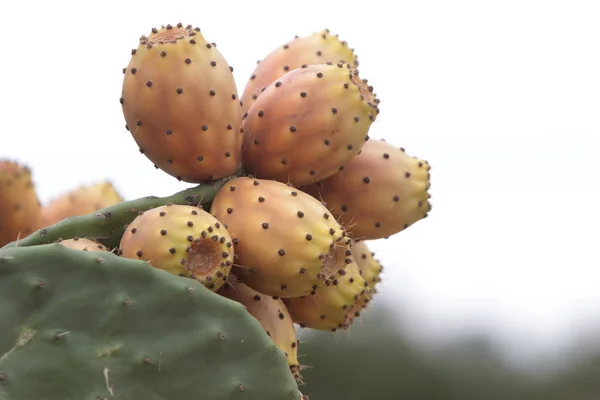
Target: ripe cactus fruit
336	306
393	189
97	326
272	314
286	242
80	201
370	268
83	244
20	209
183	240
317	48
325	110
180	103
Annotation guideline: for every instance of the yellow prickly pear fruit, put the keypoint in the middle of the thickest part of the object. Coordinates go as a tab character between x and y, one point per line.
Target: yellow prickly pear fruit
272	314
308	124
317	48
83	244
379	193
183	240
81	201
180	103
369	266
286	242
20	209
336	306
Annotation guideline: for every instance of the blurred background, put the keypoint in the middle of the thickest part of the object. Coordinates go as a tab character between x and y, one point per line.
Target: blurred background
496	294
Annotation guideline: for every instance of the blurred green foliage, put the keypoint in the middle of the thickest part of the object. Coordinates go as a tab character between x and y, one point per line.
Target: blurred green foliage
376	360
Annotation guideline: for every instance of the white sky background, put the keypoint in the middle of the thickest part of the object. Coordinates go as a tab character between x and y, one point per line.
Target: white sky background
502	98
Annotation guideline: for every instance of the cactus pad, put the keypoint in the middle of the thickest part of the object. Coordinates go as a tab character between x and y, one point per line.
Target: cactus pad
89	326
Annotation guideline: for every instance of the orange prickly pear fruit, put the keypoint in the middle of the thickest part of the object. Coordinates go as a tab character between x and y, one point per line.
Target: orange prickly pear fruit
272	314
180	103
370	268
20	209
335	306
308	124
81	201
379	193
286	242
317	48
183	240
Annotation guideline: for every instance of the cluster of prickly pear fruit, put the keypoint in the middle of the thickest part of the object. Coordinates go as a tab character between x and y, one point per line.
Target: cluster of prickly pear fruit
291	188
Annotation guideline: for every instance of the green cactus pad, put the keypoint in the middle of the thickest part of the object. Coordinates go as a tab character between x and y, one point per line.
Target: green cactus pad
94	326
108	225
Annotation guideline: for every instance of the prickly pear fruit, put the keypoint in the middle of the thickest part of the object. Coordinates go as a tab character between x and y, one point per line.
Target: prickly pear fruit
183	240
309	123
381	192
83	244
20	209
286	242
318	48
272	314
336	306
86	325
180	103
370	268
81	201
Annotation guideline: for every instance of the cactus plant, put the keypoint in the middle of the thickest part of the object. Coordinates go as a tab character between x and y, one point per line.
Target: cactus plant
20	209
184	240
286	243
80	325
180	103
325	110
393	187
317	48
80	201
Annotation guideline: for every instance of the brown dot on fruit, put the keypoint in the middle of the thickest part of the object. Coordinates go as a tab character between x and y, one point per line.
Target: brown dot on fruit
303	94
286	68
281	252
179	90
162	213
407	174
204	127
396	198
308	236
188	61
172	250
386	155
261	199
163	232
300	214
168	132
344	208
261	113
212	93
139	253
366	179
